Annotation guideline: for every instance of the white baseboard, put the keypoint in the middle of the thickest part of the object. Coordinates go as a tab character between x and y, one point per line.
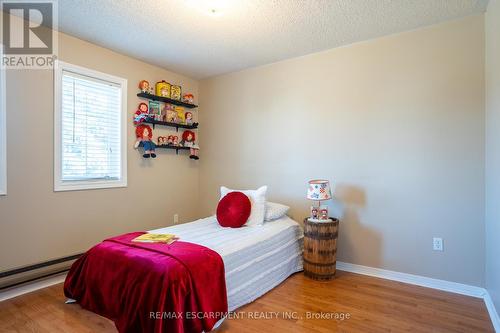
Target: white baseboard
423	281
31	286
495	319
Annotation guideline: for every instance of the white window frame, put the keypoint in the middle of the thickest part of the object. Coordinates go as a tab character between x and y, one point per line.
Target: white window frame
60	185
3	129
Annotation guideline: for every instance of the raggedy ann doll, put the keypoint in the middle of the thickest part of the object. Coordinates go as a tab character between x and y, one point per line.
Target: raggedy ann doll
188	140
141	114
144	135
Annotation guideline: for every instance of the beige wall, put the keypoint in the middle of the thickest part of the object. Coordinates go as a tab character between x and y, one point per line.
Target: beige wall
397	124
38	224
493	151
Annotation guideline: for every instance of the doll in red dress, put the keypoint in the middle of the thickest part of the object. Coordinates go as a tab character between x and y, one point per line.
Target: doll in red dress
141	114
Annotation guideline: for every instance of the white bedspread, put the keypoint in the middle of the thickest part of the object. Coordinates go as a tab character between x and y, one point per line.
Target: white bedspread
256	259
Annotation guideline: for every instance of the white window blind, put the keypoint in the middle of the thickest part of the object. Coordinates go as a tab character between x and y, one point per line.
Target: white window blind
90	128
91	132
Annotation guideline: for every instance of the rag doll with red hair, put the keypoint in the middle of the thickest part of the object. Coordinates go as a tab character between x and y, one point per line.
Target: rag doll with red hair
188	140
141	114
144	134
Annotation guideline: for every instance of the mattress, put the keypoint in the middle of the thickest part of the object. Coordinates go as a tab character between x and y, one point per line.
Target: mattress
256	259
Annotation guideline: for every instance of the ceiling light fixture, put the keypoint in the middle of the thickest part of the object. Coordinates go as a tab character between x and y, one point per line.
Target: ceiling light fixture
210	7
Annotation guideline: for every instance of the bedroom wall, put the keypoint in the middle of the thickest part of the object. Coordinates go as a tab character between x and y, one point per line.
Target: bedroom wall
38	224
395	123
493	151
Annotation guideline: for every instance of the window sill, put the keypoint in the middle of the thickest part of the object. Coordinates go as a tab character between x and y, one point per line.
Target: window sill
88	185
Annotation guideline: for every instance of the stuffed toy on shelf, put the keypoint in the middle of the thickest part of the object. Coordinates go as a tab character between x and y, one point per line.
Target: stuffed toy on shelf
141	114
189	118
144	134
144	86
188	98
162	141
188	140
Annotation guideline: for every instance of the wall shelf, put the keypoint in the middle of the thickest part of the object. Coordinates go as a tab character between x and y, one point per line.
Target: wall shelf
166	100
166	123
176	148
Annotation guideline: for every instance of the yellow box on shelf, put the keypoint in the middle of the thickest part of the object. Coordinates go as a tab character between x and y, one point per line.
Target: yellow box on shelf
162	89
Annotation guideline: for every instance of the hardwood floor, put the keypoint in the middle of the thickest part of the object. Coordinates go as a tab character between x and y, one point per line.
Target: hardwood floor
367	305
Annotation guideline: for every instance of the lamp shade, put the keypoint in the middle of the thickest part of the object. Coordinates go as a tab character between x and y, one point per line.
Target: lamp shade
319	190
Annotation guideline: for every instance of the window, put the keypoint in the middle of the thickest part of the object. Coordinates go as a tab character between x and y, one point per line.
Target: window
90	129
3	131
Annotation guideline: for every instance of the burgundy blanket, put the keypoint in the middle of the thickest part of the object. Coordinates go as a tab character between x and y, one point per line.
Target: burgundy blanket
150	287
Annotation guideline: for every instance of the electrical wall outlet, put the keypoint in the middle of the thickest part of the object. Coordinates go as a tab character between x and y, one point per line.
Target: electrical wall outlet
437	244
176	218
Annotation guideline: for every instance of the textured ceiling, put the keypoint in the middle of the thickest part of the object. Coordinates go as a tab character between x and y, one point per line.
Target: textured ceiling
182	35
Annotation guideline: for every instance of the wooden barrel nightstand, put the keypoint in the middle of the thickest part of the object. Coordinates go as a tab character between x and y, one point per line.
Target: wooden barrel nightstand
320	249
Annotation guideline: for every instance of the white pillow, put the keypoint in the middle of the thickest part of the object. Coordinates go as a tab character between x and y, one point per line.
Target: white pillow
257	199
275	211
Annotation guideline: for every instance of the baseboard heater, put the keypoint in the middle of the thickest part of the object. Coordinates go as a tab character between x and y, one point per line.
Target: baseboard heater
25	274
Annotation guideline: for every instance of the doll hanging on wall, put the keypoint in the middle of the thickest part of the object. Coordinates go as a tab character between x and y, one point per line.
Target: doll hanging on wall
144	135
188	140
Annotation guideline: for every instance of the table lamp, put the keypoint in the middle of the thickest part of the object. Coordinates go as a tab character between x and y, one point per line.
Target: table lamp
319	190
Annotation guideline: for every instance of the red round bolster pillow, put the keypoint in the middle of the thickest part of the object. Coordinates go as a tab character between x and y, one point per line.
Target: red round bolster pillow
233	210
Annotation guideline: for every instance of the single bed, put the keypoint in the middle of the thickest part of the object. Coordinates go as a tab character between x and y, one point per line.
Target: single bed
256	259
210	270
